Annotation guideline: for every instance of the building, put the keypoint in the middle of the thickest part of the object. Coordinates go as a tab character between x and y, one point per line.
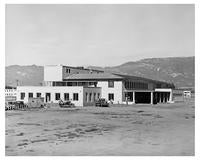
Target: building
84	86
10	94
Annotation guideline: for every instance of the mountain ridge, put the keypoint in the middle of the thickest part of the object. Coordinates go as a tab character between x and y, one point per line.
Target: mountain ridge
177	70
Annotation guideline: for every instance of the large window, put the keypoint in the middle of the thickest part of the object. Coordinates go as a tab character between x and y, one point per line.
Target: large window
75	96
66	96
90	97
111	96
30	95
38	95
22	95
57	96
111	84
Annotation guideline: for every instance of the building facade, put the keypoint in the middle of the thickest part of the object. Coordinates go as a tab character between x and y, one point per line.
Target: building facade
68	83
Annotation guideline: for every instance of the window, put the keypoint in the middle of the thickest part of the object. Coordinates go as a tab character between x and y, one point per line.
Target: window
66	96
30	95
86	94
111	96
38	94
94	98
67	70
90	97
22	95
111	84
98	95
57	96
75	96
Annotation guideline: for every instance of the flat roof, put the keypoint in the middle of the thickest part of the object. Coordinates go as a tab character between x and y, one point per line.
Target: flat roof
93	76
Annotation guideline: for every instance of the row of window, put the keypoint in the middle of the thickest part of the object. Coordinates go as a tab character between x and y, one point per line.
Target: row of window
136	85
57	96
10	90
74	83
110	84
10	94
91	97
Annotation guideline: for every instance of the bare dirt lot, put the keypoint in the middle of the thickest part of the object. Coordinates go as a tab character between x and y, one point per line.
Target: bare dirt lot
164	129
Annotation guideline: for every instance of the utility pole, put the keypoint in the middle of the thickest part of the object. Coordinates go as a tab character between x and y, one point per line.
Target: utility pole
17	81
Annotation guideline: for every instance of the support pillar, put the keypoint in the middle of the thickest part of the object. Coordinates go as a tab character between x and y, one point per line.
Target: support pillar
151	97
170	96
133	97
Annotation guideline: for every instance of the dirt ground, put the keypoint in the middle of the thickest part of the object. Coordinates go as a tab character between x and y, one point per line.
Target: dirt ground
164	129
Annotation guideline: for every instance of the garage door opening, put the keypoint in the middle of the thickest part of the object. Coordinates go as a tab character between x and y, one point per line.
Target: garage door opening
142	97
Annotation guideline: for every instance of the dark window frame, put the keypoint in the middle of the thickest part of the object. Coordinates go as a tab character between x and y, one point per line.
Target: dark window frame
111	96
22	95
29	95
38	94
66	96
75	96
57	97
111	84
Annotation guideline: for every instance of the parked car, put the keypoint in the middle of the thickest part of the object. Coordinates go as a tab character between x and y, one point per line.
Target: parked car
101	102
66	104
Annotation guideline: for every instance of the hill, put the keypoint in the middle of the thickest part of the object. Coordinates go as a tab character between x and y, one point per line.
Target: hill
24	75
177	70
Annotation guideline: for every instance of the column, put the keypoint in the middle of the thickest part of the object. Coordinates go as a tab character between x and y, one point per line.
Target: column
151	97
170	96
134	97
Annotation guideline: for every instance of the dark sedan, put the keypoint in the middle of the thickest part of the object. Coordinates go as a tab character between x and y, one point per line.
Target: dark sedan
101	103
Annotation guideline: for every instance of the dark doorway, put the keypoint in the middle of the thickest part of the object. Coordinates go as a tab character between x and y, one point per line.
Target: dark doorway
129	96
142	97
48	97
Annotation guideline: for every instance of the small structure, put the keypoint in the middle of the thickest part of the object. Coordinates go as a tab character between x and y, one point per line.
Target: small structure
10	94
35	102
187	94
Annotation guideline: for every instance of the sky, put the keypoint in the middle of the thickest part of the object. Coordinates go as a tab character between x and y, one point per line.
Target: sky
97	35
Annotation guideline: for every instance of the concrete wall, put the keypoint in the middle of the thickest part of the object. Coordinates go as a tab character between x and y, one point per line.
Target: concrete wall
52	90
93	91
53	73
117	90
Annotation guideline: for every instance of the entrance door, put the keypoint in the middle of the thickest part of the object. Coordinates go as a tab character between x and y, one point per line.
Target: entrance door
48	97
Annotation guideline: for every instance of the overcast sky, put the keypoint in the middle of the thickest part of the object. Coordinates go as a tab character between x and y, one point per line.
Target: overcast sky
100	35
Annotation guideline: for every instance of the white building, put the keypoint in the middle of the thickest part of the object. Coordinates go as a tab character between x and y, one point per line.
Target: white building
10	94
84	86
